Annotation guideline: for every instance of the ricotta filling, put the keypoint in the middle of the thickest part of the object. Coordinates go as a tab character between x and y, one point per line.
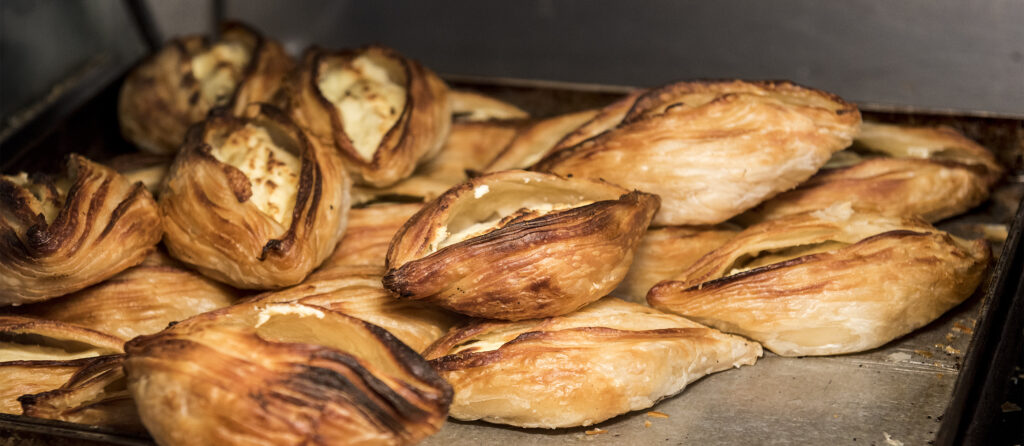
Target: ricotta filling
282	309
369	94
47	198
447	236
220	69
782	255
273	172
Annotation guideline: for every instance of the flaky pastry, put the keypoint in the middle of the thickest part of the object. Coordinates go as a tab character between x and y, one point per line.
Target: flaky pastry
470	106
369	233
252	201
665	252
712	150
518	245
382	112
60	235
148	168
535	140
607	359
140	300
38	355
177	86
930	172
827	282
282	373
96	395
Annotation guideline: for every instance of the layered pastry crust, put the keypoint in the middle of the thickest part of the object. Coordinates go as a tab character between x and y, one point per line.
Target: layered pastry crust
282	373
827	282
666	252
253	202
180	84
517	245
607	359
470	106
536	139
60	235
383	113
369	233
930	172
712	150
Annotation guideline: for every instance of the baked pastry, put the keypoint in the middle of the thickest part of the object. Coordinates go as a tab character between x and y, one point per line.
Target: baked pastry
930	172
140	300
535	140
355	290
253	202
382	112
469	147
148	168
712	150
665	252
797	284
38	355
180	84
369	233
607	359
95	395
470	106
61	235
606	119
518	245
282	373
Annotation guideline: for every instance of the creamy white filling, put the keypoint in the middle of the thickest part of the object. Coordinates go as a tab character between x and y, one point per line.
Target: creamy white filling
219	70
282	309
369	94
273	172
444	238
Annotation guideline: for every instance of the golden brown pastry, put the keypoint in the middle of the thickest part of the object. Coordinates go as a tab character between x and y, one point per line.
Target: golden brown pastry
95	395
355	290
712	150
607	359
369	233
469	106
382	112
177	86
282	373
518	245
61	235
536	140
38	355
663	253
469	147
148	168
605	119
930	172
253	202
140	300
827	282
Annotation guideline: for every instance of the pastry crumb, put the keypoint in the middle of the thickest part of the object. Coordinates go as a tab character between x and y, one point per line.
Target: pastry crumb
891	441
647	423
596	431
657	414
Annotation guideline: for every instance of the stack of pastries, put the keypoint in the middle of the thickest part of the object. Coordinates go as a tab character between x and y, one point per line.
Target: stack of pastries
343	249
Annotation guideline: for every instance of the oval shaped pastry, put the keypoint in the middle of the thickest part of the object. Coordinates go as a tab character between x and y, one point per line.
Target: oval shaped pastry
140	300
38	355
253	202
60	235
607	359
95	395
282	373
827	282
178	85
518	245
665	252
382	112
930	172
712	150
356	290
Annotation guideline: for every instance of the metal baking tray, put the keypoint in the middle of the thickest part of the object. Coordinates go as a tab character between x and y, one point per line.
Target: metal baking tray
938	385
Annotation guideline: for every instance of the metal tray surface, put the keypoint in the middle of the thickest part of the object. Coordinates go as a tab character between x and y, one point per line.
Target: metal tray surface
897	394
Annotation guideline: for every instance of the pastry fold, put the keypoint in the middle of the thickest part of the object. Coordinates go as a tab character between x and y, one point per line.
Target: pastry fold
176	87
930	172
369	233
607	359
666	252
712	150
60	235
140	300
38	355
282	373
382	112
253	202
95	395
536	139
470	106
827	282
517	245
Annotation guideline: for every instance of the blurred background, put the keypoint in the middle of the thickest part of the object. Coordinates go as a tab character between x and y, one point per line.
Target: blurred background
935	54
